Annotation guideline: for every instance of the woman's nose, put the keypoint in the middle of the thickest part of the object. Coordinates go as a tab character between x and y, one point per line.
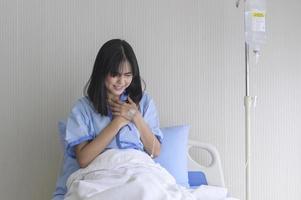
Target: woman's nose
120	79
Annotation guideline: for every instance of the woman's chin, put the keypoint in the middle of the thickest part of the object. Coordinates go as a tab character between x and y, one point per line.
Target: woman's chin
118	93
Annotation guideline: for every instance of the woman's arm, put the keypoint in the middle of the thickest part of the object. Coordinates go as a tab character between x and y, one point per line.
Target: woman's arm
86	152
149	140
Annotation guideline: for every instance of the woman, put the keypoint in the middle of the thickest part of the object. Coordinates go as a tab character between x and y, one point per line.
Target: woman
115	113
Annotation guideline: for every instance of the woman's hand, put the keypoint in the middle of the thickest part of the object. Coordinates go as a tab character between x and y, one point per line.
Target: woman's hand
123	109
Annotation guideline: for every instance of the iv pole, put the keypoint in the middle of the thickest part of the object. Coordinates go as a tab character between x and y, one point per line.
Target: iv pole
248	102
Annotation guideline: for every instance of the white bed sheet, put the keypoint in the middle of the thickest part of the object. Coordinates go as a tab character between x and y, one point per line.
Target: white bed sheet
131	174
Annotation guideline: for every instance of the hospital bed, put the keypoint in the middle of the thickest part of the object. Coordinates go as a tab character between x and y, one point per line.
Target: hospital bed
176	157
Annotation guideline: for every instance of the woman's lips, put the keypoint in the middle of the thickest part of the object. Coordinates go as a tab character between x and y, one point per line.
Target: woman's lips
118	88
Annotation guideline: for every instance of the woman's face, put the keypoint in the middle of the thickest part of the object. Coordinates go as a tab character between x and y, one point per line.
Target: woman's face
116	85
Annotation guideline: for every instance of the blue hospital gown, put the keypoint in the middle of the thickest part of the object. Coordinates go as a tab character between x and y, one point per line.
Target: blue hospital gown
84	124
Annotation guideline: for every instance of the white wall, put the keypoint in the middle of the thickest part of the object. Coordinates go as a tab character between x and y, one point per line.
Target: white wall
191	55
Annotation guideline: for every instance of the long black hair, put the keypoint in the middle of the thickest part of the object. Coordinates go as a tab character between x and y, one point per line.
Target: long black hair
108	61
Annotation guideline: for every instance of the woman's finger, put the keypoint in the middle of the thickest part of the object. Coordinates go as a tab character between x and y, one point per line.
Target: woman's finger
115	109
117	101
115	104
121	115
130	100
132	104
112	103
114	113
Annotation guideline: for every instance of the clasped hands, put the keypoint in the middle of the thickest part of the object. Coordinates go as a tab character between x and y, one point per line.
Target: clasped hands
127	110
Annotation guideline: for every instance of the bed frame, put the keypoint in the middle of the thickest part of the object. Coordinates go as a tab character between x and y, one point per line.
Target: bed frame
213	172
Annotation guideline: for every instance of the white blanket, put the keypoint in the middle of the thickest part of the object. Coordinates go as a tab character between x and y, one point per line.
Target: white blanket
131	174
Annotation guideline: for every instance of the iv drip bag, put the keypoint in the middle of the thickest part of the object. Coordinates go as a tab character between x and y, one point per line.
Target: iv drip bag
255	30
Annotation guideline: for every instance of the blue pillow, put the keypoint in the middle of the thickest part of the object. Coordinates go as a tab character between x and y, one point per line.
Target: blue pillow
173	155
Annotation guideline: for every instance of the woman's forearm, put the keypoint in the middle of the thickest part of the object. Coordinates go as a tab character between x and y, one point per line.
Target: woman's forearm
149	140
86	152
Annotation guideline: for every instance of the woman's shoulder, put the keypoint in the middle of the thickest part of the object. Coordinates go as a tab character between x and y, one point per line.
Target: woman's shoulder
146	98
146	101
83	104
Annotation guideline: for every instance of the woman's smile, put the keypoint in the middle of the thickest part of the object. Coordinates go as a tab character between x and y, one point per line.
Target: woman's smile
118	83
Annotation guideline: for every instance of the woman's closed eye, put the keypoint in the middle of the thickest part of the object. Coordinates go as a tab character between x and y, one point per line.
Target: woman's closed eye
128	74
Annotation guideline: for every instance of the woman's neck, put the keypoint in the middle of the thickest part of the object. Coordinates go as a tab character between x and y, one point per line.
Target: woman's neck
111	96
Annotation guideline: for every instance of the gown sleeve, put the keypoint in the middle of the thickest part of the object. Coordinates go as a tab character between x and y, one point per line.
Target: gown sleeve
78	128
